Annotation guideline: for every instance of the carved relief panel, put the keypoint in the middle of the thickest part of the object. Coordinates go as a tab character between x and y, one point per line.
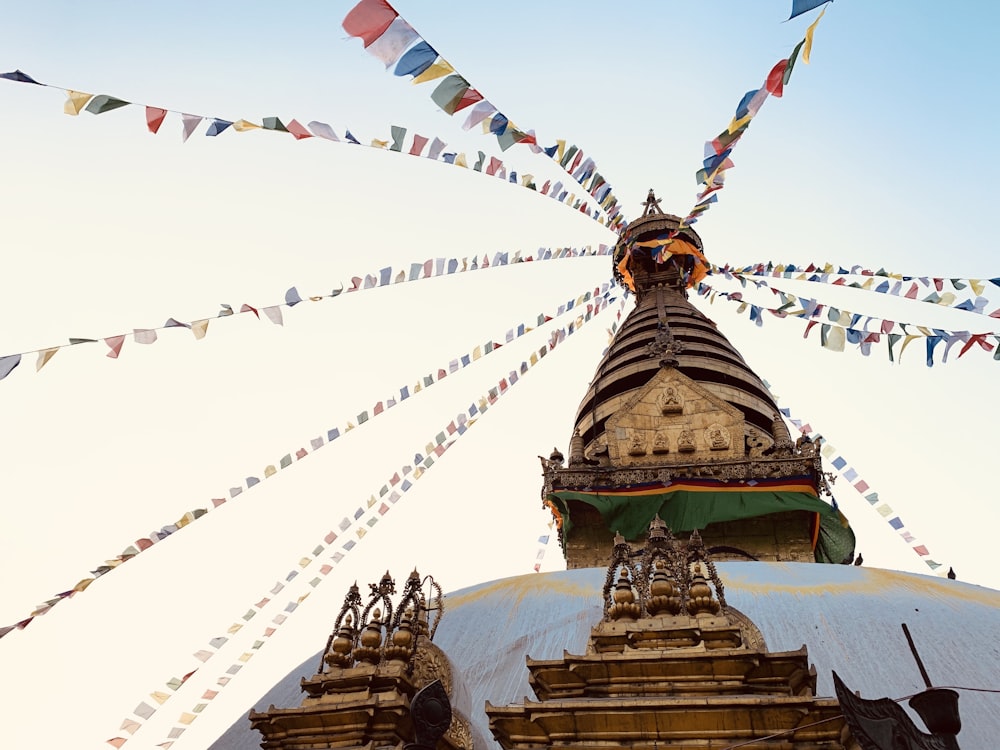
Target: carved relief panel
673	419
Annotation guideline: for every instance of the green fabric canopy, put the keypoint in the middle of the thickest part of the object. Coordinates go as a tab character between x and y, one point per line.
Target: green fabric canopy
687	510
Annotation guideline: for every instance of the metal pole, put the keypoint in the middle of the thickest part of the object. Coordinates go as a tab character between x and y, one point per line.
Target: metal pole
916	656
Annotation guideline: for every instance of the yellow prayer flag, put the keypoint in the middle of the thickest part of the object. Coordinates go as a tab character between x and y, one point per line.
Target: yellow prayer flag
460	161
418	472
808	41
977	286
303	562
245	656
361	533
270	471
477	353
186	718
372	501
533	359
75	101
82	585
906	343
868	282
836	338
159	697
737	124
234	628
199	328
884	510
439	69
946	299
243	125
561	149
46	354
376	143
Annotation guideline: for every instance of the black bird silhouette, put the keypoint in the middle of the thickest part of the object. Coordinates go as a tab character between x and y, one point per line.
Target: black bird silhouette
951	573
858	560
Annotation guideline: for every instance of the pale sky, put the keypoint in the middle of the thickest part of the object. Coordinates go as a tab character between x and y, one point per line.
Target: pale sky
878	154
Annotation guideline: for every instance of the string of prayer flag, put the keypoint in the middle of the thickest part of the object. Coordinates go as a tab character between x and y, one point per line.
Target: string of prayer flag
78	101
712	175
851	475
388	37
364	518
431	268
881	282
589	298
843	327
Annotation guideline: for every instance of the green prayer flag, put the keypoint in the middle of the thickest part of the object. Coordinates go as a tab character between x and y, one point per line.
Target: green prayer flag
103	103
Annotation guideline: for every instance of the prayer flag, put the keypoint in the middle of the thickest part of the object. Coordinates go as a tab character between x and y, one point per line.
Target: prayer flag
390	44
114	342
416	60
189	124
804	6
436	70
217	127
103	103
75	101
322	130
450	92
369	19
807	47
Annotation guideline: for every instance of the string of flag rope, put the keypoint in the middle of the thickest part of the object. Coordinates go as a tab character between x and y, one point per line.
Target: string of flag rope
887	284
858	483
474	354
544	539
390	493
79	101
387	36
712	175
431	268
842	329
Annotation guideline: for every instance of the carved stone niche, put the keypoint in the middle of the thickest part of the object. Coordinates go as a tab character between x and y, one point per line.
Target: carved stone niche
670	400
672	420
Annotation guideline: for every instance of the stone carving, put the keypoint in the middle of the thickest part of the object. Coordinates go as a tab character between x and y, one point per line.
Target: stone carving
756	443
637	444
805	447
718	437
660	443
685	441
669	401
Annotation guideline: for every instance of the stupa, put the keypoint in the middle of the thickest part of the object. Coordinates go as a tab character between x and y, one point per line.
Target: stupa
707	600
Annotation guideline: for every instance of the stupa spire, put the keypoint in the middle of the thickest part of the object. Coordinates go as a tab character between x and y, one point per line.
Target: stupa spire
676	423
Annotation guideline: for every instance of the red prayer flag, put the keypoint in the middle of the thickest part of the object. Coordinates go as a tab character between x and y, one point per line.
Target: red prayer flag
470	97
418	145
775	84
298	130
115	342
921	550
154	118
369	19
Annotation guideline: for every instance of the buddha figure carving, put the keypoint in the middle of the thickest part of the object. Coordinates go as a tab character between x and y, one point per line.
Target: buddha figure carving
685	442
669	400
660	443
637	444
718	438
